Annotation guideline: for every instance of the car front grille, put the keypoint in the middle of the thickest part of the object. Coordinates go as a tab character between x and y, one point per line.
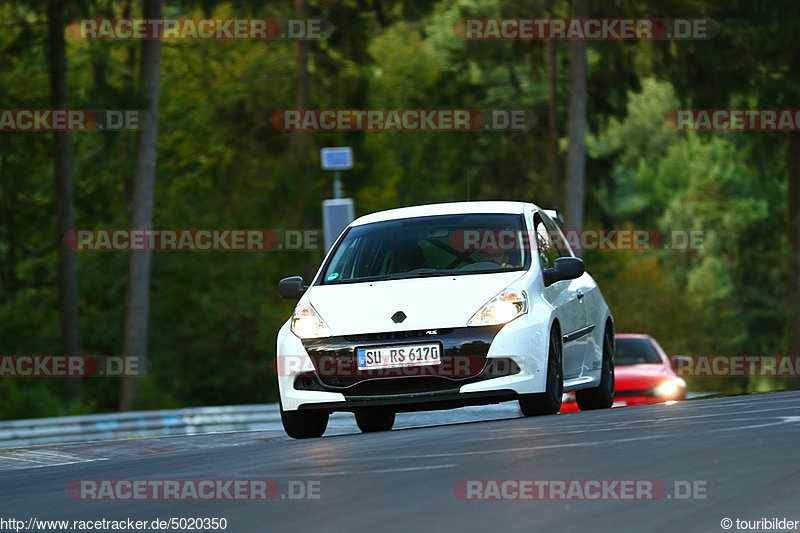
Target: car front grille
397	335
376	386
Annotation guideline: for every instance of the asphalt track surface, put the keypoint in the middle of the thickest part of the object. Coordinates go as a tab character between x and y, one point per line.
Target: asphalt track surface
743	451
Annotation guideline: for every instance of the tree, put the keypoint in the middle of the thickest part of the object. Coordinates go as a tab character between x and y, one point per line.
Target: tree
552	123
576	156
300	138
793	205
65	196
138	296
740	68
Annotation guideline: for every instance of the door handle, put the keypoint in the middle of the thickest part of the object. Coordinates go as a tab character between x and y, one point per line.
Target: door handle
580	295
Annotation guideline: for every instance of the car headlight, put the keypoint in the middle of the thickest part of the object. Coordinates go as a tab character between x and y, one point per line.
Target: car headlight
667	389
501	309
307	324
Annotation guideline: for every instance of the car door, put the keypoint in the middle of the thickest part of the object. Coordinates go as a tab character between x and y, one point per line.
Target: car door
566	297
590	336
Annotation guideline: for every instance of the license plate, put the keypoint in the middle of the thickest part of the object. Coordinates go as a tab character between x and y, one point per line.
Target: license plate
398	356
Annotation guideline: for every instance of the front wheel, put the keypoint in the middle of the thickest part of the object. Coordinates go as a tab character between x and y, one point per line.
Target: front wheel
601	397
304	424
379	420
549	401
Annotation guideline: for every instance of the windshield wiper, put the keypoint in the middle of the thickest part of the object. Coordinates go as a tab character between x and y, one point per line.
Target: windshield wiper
431	272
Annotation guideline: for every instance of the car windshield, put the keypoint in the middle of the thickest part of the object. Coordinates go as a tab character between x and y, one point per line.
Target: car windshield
429	246
635	351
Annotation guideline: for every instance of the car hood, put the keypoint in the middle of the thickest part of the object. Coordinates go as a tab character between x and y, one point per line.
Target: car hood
640	377
428	303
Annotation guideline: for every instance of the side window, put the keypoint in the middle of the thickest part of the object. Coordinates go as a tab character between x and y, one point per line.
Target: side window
555	237
544	244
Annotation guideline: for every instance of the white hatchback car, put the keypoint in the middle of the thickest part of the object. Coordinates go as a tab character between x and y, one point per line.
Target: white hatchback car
441	306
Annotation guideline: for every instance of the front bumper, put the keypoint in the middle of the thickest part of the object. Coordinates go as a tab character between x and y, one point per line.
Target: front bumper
626	398
482	372
426	401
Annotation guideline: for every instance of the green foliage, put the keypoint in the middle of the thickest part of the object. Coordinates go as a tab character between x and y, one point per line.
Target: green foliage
221	164
726	296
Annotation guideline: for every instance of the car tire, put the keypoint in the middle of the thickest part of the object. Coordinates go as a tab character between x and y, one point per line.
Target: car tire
601	397
548	402
374	420
304	424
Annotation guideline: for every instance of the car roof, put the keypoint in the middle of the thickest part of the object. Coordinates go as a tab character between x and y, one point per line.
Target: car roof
451	208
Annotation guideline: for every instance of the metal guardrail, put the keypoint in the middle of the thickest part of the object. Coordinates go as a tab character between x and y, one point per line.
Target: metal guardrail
195	420
142	423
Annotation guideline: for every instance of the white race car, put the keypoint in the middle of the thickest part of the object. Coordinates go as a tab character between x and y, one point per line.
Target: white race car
442	306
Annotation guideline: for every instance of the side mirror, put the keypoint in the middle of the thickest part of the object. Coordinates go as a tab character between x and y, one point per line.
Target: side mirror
564	268
291	288
679	363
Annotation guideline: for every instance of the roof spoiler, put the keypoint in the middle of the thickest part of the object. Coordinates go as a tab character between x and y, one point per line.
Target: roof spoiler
555	214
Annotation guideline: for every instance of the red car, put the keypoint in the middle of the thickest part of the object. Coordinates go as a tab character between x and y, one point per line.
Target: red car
643	374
